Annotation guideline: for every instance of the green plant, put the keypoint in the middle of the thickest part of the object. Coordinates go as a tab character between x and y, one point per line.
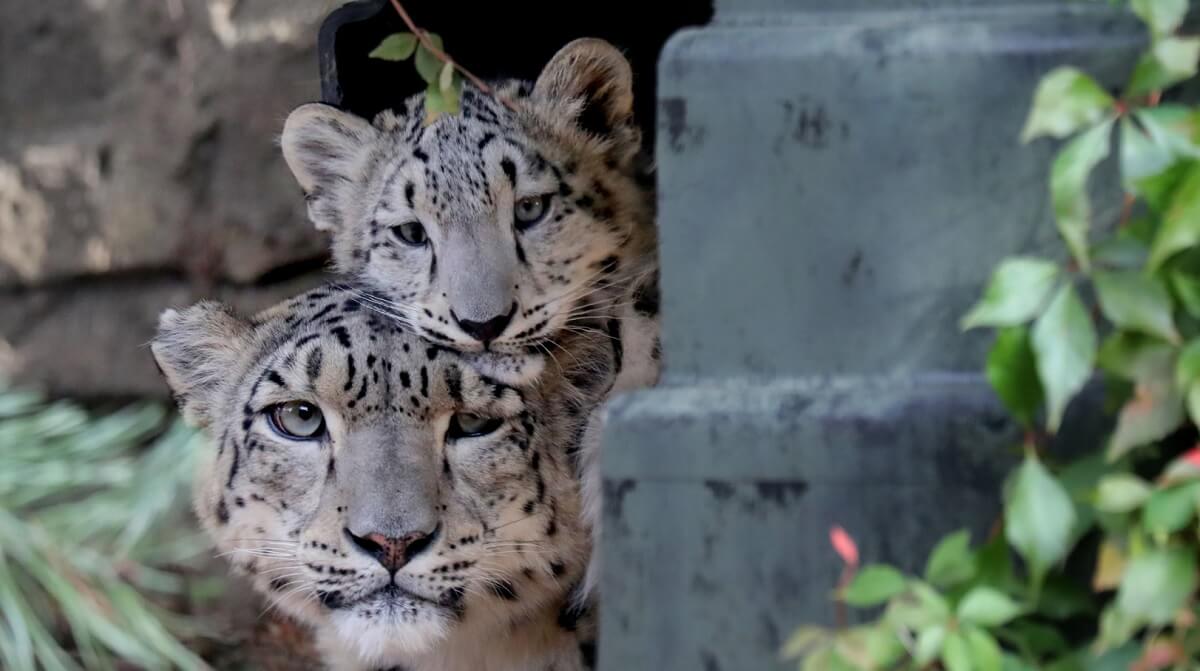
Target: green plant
975	608
442	75
93	529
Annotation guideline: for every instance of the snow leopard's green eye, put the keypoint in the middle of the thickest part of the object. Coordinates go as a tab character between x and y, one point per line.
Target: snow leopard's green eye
530	210
470	425
298	420
411	233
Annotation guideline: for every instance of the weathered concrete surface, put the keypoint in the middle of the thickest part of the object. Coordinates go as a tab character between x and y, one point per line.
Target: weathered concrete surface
137	151
838	190
719	519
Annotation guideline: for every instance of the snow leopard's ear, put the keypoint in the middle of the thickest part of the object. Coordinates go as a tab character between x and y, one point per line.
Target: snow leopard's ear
595	73
325	149
197	349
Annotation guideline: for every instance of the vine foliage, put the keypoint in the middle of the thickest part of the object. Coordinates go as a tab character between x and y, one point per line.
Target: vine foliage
1125	303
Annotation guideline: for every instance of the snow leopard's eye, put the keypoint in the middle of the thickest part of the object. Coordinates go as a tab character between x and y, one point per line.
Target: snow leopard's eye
411	233
470	425
530	210
298	420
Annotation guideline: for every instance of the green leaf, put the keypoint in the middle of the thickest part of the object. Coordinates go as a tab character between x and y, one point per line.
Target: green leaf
1159	190
1156	584
987	607
451	98
985	653
1064	340
1141	157
1038	517
951	561
1170	510
1136	301
439	102
1121	493
1039	639
450	86
1068	187
873	585
1169	61
995	567
820	659
1066	100
1014	663
1187	289
836	663
1110	566
956	652
1187	369
1154	412
1136	357
1162	17
918	608
1120	659
870	647
1172	126
1192	402
1012	371
1182	469
802	641
929	644
1116	627
1181	222
428	65
395	47
1014	295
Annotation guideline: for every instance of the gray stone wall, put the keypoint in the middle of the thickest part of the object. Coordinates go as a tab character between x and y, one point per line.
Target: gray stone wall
138	170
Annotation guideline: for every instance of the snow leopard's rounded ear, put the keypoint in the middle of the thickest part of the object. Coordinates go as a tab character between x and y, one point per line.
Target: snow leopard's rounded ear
324	147
196	349
598	75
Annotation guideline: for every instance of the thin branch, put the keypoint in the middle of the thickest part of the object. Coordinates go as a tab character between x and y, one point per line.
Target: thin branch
423	38
840	617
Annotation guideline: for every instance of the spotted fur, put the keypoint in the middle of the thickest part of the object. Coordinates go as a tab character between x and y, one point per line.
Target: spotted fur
493	587
590	263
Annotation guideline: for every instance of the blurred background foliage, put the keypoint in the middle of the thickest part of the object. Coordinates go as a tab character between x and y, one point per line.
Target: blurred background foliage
98	554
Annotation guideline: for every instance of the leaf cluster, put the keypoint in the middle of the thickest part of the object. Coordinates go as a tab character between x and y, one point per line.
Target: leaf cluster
1124	305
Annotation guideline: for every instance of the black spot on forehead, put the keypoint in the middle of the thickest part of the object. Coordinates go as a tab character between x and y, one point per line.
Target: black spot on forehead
453	382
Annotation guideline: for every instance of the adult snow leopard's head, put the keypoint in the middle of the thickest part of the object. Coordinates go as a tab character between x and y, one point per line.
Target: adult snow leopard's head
391	493
494	228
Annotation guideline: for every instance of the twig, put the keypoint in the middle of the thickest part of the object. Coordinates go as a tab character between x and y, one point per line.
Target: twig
423	38
1126	210
840	618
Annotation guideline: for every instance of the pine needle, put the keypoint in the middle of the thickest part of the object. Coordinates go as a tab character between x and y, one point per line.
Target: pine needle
95	538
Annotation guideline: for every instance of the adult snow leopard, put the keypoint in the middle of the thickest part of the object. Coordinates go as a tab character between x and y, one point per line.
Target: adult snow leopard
417	506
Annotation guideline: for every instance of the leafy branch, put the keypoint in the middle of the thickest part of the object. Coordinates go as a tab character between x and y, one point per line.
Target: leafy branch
1126	303
441	73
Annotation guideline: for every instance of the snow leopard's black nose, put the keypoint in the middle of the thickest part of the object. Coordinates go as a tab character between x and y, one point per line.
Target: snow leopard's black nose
489	330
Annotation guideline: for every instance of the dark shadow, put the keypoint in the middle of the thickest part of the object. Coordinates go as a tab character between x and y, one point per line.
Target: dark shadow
494	39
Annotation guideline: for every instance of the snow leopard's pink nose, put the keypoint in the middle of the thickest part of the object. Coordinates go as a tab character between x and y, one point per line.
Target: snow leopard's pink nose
392	553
